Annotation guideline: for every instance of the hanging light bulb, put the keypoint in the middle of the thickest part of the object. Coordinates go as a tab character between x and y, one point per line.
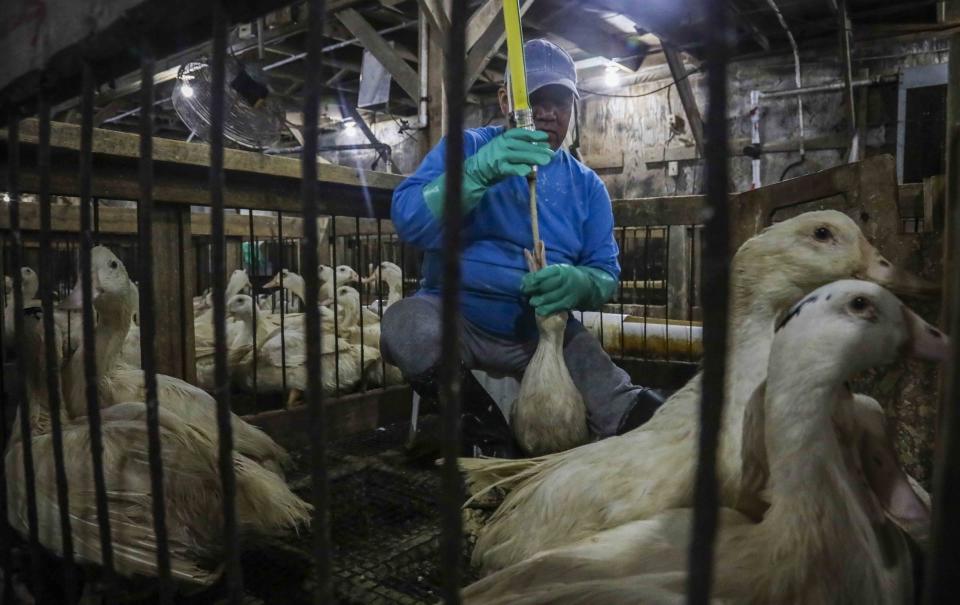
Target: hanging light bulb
349	126
612	76
186	90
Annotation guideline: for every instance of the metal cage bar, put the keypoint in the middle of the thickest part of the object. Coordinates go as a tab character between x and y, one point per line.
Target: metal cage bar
452	497
87	321
36	577
716	278
231	550
148	321
320	488
52	357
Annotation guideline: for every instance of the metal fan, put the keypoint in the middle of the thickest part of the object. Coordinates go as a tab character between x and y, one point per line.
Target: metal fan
253	116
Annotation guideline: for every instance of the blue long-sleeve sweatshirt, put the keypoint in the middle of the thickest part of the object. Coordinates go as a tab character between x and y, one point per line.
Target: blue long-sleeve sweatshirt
576	224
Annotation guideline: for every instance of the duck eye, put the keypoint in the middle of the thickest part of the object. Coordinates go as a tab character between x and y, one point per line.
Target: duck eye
859	303
822	234
114	264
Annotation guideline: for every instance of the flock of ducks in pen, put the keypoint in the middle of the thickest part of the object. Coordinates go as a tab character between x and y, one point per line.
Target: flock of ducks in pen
815	507
187	419
266	350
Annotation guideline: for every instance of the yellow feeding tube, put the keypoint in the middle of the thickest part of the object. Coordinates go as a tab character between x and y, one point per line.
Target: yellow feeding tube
520	110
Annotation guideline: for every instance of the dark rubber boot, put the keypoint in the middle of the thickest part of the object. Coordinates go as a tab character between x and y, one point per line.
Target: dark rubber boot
648	401
483	429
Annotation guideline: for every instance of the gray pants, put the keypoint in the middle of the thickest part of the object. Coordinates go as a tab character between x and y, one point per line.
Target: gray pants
410	339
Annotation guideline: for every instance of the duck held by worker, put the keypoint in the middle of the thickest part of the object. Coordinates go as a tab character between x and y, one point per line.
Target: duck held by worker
499	299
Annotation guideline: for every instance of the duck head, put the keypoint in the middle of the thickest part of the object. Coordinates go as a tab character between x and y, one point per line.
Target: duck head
389	272
240	306
29	283
288	277
348	306
792	257
238	282
113	292
346	275
850	326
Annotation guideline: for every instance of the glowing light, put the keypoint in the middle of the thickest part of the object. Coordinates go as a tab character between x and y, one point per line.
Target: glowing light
186	90
6	197
349	126
612	77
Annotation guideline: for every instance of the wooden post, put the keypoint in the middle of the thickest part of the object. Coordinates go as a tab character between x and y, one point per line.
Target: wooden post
173	281
678	273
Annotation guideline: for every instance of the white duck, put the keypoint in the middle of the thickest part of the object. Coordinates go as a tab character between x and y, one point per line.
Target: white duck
820	535
345	275
191	485
390	274
203	324
274	354
549	414
350	315
564	497
29	285
115	301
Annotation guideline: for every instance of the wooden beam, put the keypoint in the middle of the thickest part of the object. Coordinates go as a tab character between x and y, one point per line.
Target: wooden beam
253	180
488	44
437	18
747	24
402	73
126	145
123	221
687	99
481	20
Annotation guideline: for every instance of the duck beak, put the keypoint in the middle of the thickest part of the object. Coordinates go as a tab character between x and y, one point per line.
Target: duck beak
368	279
881	271
273	283
925	341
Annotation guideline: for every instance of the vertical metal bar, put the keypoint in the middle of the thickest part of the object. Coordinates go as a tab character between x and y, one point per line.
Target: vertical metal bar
89	342
5	587
254	269
643	292
96	220
623	258
314	396
716	272
283	307
451	521
383	362
666	292
52	361
359	261
13	176
231	551
147	319
336	315
943	562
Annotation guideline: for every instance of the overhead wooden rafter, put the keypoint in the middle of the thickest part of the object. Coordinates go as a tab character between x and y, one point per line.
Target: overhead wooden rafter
402	73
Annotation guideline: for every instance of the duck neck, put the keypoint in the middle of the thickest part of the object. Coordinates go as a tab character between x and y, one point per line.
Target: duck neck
296	287
394	291
551	329
808	493
114	324
757	300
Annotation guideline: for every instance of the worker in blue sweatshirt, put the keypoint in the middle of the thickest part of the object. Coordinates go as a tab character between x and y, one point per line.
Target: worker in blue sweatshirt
499	297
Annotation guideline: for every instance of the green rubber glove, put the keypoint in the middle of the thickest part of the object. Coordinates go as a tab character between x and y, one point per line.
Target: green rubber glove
513	153
564	287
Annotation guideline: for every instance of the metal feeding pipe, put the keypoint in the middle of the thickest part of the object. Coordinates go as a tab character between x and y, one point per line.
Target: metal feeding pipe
796	66
521	114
